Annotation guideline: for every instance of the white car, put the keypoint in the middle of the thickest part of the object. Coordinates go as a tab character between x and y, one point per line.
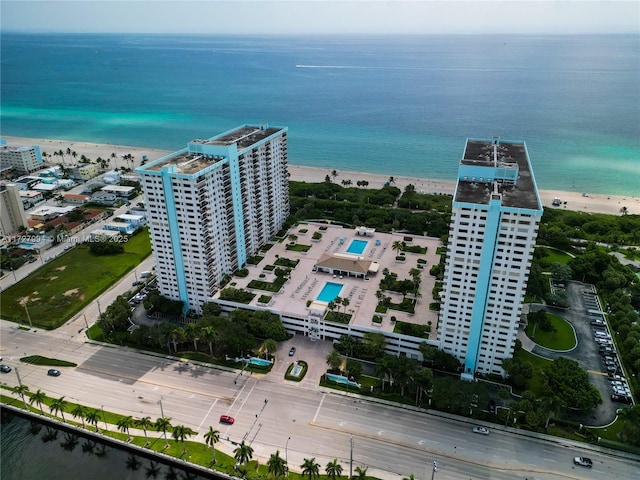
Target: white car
481	430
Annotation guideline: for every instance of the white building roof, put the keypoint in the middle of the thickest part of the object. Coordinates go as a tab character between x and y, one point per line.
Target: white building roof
50	210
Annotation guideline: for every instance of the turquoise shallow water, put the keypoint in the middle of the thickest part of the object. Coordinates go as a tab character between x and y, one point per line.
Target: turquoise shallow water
400	106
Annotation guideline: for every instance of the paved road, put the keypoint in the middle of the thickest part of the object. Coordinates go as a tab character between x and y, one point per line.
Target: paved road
393	441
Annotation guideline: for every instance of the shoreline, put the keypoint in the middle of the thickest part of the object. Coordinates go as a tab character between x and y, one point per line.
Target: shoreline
593	203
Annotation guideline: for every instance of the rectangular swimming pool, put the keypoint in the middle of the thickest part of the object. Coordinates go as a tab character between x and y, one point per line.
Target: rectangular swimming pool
329	292
357	247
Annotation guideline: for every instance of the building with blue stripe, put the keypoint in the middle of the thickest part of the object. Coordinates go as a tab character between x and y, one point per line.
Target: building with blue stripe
494	226
213	205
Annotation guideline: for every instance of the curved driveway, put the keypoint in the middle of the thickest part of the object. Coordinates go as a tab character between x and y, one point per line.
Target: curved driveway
585	353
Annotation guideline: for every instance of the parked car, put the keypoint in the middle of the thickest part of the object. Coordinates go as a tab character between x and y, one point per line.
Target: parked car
481	430
5	368
53	372
292	351
227	419
583	461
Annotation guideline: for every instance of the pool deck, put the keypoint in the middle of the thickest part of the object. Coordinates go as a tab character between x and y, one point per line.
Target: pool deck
305	284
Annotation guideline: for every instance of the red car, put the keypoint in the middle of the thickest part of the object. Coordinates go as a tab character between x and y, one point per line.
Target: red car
226	419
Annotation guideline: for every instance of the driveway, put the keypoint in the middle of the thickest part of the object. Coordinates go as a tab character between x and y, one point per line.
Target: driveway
582	298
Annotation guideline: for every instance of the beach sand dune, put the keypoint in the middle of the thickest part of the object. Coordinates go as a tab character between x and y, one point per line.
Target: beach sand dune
577	201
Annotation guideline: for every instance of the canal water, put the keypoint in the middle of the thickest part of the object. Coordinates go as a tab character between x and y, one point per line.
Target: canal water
33	451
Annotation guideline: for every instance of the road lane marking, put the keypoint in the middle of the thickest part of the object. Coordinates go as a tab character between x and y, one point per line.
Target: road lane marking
319	407
207	414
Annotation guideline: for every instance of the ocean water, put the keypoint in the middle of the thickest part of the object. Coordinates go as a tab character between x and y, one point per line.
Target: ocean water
400	106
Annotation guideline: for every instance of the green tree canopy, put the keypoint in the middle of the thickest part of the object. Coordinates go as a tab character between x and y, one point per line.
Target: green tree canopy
571	384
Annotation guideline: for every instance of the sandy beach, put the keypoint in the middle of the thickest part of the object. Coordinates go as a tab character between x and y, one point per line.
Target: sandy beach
593	203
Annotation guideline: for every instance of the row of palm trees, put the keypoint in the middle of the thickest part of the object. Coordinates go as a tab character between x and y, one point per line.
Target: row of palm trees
92	416
104	163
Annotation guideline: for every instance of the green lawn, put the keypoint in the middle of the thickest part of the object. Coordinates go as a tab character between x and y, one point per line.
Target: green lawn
553	256
64	286
563	338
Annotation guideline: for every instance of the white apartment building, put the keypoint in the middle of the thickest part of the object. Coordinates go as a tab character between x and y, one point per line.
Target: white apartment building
213	205
494	225
23	160
12	214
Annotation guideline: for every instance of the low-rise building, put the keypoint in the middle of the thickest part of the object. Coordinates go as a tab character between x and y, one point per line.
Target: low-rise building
133	220
120	190
30	198
121	227
85	171
104	198
76	199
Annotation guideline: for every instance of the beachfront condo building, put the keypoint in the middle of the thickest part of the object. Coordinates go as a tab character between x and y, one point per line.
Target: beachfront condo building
494	225
22	160
213	205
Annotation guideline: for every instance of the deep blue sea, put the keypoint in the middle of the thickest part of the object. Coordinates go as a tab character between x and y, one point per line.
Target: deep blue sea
399	105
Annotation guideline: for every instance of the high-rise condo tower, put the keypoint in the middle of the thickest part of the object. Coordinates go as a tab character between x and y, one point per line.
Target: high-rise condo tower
212	205
494	225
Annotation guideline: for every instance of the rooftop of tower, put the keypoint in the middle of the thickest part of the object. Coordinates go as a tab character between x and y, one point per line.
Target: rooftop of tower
242	136
506	164
201	154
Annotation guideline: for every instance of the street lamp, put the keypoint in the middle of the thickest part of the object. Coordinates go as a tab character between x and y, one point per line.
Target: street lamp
351	457
104	417
23	300
286	455
435	469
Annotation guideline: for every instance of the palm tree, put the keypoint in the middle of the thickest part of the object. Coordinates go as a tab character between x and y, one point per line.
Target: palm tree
334	359
58	405
392	180
178	335
21	390
269	346
144	422
211	438
163	424
383	368
334	174
333	469
93	417
345	303
396	246
124	424
311	468
210	335
276	464
79	411
243	453
361	472
38	398
193	333
180	433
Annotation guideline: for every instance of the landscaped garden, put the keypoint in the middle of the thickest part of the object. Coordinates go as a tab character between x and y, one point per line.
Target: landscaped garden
554	332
